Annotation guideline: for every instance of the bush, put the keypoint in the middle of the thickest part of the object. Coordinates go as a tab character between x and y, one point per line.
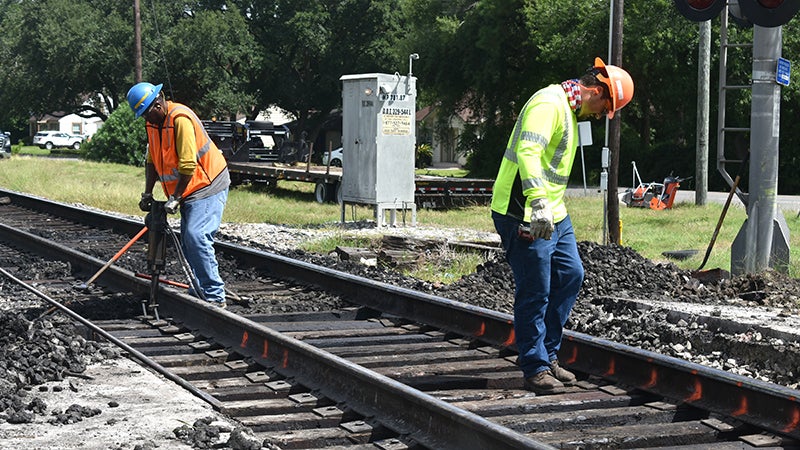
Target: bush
122	139
424	156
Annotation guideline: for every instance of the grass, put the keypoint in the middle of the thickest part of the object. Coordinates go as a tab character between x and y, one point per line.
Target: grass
116	187
33	150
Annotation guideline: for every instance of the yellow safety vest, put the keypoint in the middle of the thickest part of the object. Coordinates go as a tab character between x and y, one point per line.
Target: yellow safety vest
539	156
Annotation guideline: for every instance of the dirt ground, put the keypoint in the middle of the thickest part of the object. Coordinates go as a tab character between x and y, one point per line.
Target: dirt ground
138	410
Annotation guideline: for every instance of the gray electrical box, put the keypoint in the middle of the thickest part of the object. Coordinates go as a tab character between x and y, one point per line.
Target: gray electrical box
378	138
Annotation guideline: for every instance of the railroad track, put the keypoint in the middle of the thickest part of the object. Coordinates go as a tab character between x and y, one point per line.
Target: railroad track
386	367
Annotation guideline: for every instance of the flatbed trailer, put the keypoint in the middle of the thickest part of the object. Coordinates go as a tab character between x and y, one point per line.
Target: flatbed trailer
430	191
327	180
261	152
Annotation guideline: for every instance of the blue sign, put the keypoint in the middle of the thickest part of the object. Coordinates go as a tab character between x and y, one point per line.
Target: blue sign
784	71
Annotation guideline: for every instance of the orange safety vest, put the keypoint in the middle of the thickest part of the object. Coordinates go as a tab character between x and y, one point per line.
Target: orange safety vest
164	153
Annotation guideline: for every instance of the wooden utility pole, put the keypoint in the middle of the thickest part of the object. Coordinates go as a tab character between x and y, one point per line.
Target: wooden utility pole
137	43
703	92
614	131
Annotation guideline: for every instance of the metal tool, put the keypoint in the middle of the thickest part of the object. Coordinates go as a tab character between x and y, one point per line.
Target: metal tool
698	273
113	259
187	269
163	281
156	257
524	233
156	221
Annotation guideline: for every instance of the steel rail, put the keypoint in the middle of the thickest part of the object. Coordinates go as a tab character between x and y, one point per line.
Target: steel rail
766	405
429	421
144	359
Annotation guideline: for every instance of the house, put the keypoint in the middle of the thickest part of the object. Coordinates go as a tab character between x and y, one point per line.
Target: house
443	133
70	123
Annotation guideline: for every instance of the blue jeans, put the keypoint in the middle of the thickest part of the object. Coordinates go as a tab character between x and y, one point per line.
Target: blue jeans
547	276
200	221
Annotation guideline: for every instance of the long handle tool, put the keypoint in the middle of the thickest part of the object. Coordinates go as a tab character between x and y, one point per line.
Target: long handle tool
113	258
163	281
724	210
187	269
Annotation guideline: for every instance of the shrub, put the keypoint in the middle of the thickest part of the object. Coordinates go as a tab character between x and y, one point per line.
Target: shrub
122	139
424	156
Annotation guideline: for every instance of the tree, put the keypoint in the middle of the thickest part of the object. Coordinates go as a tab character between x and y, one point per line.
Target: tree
64	55
307	46
488	57
122	139
207	59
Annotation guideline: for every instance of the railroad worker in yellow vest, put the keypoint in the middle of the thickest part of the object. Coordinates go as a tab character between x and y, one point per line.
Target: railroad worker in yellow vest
529	213
194	175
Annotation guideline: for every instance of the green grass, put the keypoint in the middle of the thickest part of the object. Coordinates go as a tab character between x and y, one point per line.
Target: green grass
116	187
454	173
33	150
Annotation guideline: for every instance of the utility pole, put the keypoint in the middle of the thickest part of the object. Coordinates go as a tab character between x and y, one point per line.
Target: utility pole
703	92
614	131
137	43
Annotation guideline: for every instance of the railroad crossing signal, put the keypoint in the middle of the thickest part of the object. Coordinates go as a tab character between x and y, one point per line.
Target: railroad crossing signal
765	13
763	240
700	10
769	13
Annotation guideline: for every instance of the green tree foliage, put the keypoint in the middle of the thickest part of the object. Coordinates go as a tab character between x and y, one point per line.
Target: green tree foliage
122	139
488	57
226	58
206	59
789	161
307	46
60	54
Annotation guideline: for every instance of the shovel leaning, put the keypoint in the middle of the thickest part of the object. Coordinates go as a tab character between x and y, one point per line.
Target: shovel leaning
113	259
714	273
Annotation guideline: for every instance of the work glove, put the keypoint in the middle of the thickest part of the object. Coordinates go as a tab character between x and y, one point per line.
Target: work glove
541	219
171	207
146	202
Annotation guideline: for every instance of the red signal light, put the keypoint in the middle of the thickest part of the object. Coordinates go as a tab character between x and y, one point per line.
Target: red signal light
700	10
769	13
771	4
700	4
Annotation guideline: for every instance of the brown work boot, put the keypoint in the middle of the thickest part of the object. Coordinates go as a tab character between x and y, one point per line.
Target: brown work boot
561	374
542	382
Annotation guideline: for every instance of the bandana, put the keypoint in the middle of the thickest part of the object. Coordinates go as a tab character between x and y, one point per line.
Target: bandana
573	91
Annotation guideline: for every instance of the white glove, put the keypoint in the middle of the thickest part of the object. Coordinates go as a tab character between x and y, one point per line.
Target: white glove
541	219
171	207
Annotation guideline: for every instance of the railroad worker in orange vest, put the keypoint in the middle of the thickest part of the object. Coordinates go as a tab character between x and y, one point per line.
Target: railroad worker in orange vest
531	217
194	175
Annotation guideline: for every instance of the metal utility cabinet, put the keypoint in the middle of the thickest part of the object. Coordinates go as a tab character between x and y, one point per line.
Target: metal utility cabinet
378	137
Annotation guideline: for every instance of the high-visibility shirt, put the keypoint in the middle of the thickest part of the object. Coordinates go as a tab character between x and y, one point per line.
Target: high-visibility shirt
539	156
163	151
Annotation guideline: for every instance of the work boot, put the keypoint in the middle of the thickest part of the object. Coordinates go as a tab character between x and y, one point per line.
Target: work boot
542	382
561	374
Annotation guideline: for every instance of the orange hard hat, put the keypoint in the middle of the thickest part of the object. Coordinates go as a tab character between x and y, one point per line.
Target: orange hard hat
619	82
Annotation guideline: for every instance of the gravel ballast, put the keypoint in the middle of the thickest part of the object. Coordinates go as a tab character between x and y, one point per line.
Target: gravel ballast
66	386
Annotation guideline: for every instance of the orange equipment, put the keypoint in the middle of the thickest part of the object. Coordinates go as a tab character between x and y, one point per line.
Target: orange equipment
668	191
656	196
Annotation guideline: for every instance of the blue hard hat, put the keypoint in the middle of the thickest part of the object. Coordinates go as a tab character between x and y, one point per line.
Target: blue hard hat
141	95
